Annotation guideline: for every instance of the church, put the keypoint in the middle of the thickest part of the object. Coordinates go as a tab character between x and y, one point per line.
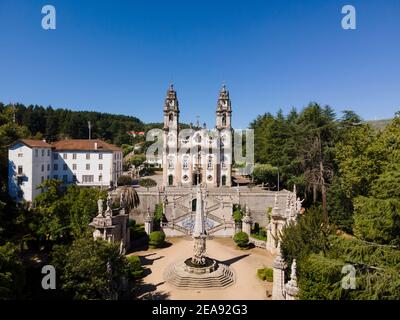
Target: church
197	155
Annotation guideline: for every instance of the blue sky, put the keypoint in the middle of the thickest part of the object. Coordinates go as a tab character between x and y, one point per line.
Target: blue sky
120	56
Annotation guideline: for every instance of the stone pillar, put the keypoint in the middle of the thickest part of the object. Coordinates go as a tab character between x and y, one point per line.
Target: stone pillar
246	222
148	222
291	287
278	288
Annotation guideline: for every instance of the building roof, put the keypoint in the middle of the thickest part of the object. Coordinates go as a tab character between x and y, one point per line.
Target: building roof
84	145
34	143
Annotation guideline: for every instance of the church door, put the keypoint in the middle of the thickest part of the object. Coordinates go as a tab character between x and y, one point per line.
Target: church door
224	180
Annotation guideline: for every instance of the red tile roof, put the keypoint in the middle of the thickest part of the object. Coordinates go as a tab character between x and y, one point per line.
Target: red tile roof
84	145
35	143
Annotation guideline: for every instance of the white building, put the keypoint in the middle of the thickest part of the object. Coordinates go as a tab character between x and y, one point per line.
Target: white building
29	164
83	162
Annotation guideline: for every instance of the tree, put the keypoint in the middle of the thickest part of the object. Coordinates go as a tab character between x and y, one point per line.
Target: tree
91	269
131	197
147	183
124	181
137	159
265	173
12	273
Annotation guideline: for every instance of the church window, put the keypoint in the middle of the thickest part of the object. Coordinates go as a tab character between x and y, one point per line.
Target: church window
194	204
209	163
170	164
185	163
171	117
209	178
170	180
224	120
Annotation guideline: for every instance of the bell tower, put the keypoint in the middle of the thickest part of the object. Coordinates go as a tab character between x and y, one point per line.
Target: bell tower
170	141
224	129
224	110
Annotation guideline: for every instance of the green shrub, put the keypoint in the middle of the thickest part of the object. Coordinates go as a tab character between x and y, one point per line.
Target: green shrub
157	239
241	239
137	231
265	274
124	181
136	269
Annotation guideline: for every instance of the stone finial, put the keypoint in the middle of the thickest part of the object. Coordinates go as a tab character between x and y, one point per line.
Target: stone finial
100	208
109	205
148	216
247	216
291	287
279	262
293	271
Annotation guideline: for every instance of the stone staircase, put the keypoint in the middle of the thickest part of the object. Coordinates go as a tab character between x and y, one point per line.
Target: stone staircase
176	275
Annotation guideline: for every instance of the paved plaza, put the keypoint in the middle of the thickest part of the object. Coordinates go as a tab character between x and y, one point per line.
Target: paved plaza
244	263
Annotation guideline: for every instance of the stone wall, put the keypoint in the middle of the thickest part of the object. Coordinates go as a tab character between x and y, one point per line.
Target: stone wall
218	203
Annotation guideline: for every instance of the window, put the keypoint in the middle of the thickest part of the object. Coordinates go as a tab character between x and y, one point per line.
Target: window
20	170
55	156
20	155
100	166
48	167
100	178
42	167
65	167
170	164
65	156
55	177
55	167
65	178
74	156
36	152
48	177
87	178
185	163
209	164
87	156
224	120
87	166
74	166
41	179
100	156
48	152
194	204
170	180
20	181
74	178
42	152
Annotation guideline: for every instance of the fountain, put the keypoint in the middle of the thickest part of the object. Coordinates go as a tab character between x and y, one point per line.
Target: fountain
199	271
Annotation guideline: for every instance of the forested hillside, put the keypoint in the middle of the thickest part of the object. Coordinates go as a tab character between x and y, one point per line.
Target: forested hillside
53	124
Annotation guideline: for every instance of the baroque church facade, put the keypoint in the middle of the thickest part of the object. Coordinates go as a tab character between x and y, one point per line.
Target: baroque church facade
197	155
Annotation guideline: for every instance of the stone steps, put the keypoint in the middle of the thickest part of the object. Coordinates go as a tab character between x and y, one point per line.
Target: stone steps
220	278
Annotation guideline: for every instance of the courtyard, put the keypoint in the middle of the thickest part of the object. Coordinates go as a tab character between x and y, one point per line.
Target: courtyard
244	262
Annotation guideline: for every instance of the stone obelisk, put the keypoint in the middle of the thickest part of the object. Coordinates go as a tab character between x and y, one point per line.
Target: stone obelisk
199	232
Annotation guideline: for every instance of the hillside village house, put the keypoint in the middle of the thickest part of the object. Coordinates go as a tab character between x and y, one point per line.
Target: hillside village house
83	162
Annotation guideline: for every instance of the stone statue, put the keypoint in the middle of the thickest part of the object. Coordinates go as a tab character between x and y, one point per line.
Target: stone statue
122	202
109	204
100	208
